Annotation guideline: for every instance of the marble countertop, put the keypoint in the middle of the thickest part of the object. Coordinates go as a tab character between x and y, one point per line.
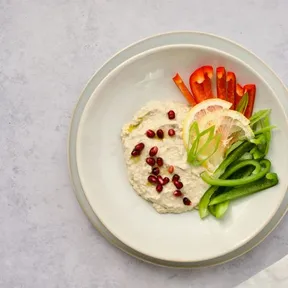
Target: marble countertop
49	50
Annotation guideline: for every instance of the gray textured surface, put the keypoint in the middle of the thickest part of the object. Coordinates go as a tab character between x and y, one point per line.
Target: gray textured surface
48	51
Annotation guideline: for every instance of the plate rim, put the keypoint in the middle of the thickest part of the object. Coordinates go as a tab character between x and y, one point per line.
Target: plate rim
80	195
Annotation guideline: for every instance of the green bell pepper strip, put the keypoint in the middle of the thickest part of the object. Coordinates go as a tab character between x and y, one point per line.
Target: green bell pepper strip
236	182
257	154
261	121
204	202
260	140
219	210
270	180
232	157
233	147
246	156
241	173
212	209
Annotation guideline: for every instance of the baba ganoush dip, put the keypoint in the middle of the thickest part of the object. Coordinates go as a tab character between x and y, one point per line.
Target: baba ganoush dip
171	155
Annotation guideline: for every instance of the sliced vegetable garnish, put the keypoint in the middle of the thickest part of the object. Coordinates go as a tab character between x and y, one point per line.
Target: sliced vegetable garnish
239	94
227	88
204	202
246	156
270	180
266	123
204	145
242	105
257	154
264	130
208	149
219	210
194	138
193	134
233	163
200	110
232	157
231	125
212	210
221	82
259	140
208	74
241	173
251	89
233	147
231	88
233	168
184	90
200	83
259	115
215	132
196	80
261	125
236	182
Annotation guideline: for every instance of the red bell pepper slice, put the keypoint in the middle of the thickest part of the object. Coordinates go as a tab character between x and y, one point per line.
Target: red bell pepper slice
200	83
208	73
184	90
231	88
239	94
251	90
221	82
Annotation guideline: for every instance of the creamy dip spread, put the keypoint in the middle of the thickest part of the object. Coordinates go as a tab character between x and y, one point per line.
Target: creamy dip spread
171	149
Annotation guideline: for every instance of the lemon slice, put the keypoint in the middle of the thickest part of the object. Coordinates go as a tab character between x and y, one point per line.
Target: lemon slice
231	125
200	110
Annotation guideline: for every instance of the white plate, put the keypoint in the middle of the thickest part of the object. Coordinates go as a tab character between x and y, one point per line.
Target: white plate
171	238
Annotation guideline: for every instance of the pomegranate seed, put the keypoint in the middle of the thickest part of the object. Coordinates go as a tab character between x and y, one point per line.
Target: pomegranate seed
152	179
159	188
171	132
139	147
171	114
166	180
186	201
171	169
177	193
150	161
160	180
135	153
160	134
153	151
178	184
150	133
159	161
175	177
155	171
